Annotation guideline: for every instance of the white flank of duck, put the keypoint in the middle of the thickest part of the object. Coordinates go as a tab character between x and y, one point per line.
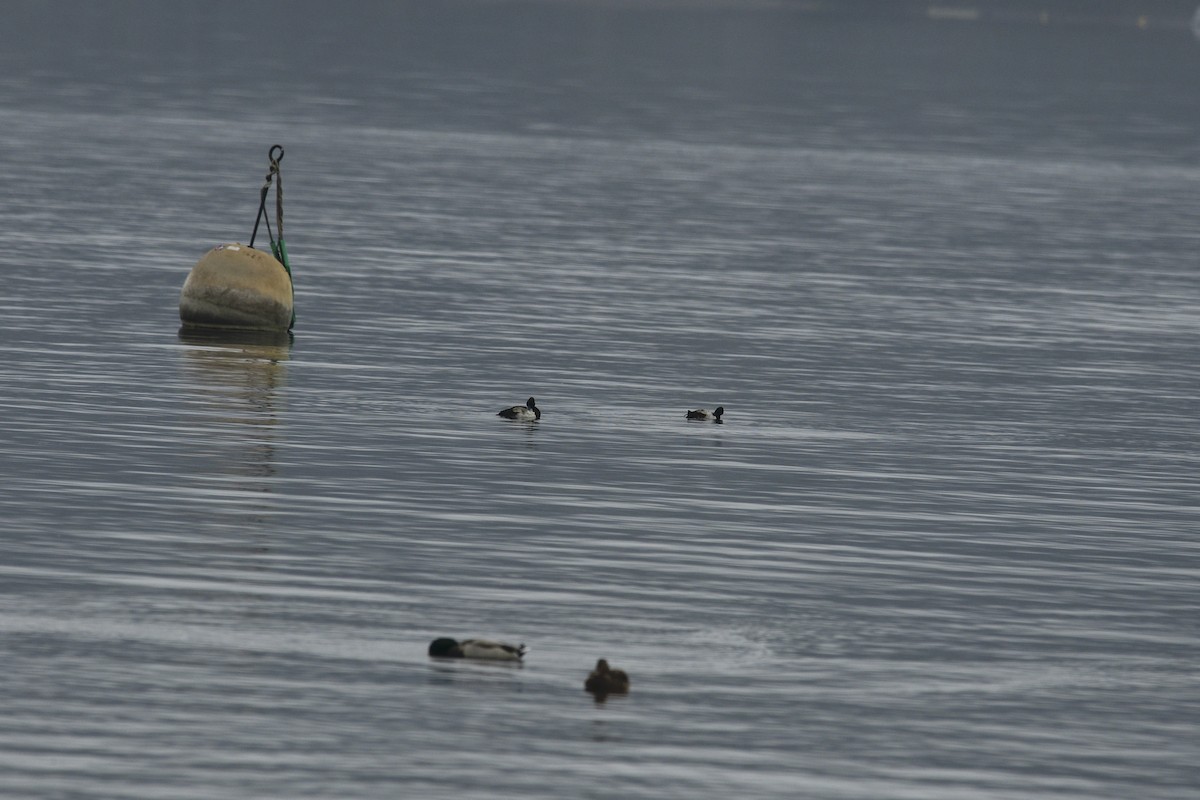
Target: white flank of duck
704	414
476	648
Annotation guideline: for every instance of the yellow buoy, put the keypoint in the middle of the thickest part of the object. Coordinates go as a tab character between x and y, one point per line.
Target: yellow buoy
235	286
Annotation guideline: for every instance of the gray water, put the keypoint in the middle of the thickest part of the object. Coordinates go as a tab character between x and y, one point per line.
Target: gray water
942	277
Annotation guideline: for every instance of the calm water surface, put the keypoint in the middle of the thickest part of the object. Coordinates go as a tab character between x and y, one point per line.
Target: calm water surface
944	545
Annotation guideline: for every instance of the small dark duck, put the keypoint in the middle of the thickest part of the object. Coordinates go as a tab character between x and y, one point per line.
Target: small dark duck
604	680
528	412
704	414
476	648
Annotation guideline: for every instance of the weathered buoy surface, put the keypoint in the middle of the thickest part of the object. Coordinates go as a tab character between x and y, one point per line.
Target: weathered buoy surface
235	286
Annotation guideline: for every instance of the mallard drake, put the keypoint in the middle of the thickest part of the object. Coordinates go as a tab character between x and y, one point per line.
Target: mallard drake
605	680
704	414
529	411
476	648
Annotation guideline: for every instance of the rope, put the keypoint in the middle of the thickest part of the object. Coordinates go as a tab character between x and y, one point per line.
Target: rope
278	188
278	248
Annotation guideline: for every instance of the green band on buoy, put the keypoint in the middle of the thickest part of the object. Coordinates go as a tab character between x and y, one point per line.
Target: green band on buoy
280	250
